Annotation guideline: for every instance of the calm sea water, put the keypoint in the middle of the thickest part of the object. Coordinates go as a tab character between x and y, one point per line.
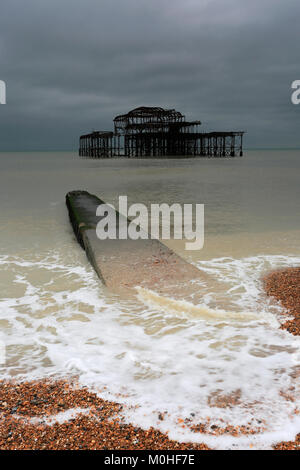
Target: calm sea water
57	319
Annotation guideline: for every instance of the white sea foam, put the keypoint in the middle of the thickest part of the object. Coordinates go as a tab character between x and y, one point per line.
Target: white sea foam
58	319
61	417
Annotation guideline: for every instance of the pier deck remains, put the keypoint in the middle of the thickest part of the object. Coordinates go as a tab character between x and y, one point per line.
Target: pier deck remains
156	132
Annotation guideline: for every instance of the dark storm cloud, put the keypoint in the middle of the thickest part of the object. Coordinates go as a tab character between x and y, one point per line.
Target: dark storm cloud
71	66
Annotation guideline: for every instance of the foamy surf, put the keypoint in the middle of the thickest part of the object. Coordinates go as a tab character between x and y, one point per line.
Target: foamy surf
57	320
188	310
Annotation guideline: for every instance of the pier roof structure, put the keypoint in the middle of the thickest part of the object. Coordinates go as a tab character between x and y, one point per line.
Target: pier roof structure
158	132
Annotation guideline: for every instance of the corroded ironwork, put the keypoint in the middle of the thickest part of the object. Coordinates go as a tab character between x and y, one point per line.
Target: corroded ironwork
156	132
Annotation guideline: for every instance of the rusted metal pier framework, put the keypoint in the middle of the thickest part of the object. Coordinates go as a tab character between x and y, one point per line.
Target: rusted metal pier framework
97	144
156	132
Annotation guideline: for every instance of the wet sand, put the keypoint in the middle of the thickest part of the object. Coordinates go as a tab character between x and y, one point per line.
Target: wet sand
26	423
284	286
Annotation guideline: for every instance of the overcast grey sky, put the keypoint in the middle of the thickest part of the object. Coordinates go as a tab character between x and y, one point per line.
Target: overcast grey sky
71	65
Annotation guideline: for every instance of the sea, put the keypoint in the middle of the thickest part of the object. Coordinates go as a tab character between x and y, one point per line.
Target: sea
58	320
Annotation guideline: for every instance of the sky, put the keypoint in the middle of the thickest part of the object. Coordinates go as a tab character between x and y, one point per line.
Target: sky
71	66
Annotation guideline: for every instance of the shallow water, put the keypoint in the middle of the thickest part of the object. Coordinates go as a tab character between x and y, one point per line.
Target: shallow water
57	318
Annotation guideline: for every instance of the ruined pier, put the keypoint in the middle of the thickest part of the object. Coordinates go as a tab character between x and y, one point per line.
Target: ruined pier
156	132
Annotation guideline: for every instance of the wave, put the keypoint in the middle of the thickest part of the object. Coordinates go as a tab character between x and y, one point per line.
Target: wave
227	366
